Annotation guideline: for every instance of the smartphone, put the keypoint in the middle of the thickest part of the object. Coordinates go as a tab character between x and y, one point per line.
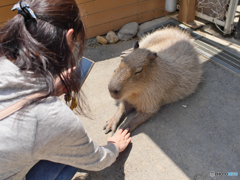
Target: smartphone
84	66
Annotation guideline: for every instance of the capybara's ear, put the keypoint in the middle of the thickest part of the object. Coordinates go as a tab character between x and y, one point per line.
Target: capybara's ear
136	45
152	56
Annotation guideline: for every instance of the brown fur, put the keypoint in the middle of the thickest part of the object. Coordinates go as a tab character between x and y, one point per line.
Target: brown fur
171	74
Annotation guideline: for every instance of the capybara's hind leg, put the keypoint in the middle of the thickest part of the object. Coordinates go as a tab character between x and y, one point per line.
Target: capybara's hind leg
137	120
123	108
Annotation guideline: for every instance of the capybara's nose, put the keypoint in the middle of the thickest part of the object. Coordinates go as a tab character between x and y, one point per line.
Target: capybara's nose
114	91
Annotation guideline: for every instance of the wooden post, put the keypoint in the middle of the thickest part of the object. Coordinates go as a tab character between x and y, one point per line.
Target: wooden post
187	11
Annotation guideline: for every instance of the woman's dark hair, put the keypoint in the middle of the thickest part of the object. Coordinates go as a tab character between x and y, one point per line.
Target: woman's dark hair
40	45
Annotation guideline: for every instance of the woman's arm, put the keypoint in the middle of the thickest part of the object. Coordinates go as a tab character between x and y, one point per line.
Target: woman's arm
60	137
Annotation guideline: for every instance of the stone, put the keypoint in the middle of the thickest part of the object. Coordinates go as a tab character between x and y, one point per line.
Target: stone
91	41
111	37
128	31
151	25
101	40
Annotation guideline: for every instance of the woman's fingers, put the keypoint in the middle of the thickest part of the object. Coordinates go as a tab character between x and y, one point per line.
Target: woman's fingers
121	139
129	140
127	136
120	131
61	89
67	74
125	132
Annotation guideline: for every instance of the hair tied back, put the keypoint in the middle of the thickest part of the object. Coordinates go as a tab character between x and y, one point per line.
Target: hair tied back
24	9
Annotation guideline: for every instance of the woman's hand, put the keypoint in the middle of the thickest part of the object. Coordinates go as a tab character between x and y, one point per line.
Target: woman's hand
59	86
121	139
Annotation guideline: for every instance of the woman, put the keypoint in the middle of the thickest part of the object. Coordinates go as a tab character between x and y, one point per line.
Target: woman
45	139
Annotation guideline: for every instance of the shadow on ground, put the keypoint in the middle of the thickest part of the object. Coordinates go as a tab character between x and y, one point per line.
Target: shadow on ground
114	172
202	132
196	135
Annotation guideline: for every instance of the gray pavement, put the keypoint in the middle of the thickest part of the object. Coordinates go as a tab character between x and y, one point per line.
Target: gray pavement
184	140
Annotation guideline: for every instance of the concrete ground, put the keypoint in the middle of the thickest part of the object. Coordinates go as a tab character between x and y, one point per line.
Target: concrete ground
183	141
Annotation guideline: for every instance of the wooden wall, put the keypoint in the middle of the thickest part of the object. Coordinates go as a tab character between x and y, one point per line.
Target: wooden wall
101	16
5	10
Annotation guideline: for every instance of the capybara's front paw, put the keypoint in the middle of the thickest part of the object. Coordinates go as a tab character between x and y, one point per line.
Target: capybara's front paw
128	126
111	125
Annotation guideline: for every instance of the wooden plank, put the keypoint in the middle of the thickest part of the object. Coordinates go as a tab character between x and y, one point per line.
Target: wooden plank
103	5
83	1
112	16
11	2
8	2
122	12
194	24
86	6
117	24
187	11
6	13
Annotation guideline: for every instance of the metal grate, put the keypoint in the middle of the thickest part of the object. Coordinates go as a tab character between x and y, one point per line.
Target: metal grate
219	55
209	48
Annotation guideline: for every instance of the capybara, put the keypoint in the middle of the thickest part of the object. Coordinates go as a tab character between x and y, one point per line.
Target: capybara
163	67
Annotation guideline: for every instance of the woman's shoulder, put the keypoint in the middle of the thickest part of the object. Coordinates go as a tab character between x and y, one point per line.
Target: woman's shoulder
54	112
56	122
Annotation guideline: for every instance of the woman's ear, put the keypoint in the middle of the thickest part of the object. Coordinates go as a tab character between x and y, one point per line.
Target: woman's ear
70	42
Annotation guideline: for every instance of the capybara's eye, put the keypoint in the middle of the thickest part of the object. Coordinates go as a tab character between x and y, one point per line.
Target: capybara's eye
115	70
138	70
